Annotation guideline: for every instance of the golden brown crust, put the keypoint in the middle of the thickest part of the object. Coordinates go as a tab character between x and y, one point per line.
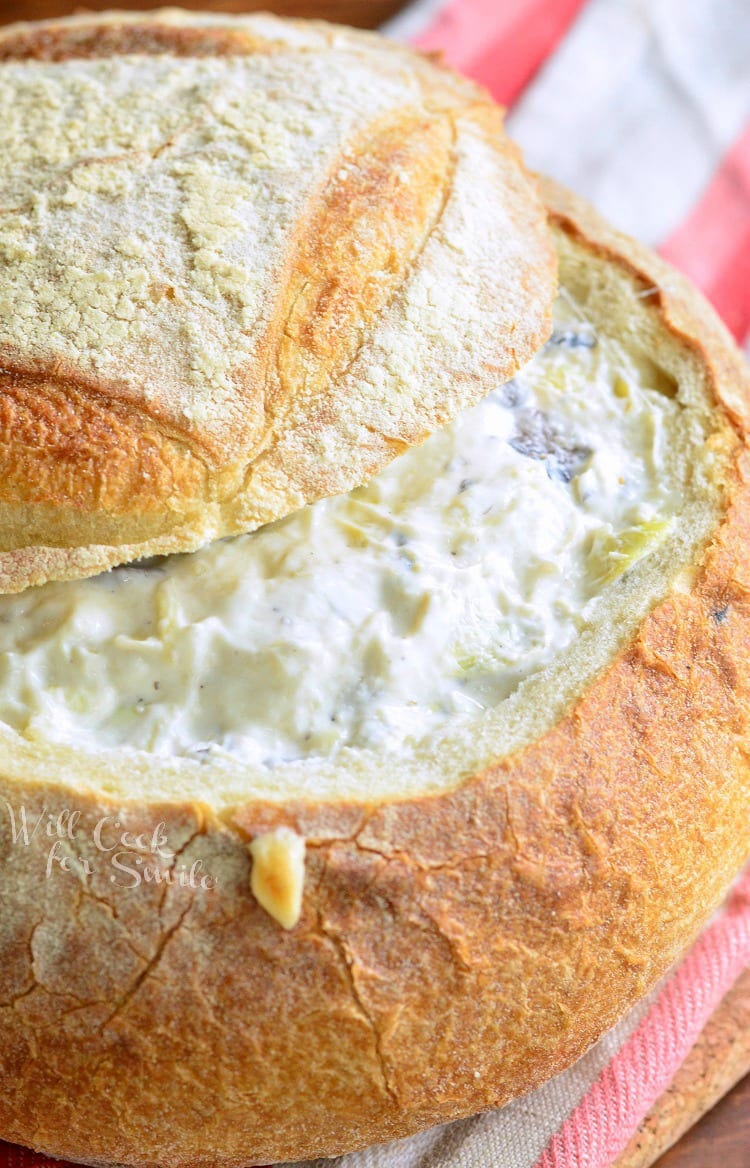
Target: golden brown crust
453	951
244	343
64	41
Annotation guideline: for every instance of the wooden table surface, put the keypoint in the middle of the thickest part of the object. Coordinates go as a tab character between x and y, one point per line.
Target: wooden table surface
722	1138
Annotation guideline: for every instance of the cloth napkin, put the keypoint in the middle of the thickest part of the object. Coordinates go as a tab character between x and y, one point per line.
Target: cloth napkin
644	107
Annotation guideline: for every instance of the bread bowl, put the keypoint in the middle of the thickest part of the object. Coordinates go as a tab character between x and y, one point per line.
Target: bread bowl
452	912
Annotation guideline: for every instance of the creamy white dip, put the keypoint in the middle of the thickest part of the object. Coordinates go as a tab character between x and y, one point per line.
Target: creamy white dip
369	619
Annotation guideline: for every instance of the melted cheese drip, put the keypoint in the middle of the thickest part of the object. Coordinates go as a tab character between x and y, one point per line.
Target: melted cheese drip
369	619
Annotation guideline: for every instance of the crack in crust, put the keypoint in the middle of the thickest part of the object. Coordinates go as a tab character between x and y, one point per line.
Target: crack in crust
347	966
148	969
59	178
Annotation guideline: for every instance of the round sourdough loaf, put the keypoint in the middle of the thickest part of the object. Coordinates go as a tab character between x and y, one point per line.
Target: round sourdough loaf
243	266
454	945
302	959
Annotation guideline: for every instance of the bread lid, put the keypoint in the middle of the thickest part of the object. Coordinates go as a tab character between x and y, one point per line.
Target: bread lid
245	264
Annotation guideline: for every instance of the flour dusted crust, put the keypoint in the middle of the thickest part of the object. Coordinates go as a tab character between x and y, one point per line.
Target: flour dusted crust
244	264
454	949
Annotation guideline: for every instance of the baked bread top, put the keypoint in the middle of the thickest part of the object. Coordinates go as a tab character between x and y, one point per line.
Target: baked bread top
244	264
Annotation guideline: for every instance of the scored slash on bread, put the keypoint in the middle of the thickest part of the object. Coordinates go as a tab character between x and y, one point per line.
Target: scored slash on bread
243	269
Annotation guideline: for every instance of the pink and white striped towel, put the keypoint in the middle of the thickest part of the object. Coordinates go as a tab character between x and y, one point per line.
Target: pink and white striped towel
644	107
